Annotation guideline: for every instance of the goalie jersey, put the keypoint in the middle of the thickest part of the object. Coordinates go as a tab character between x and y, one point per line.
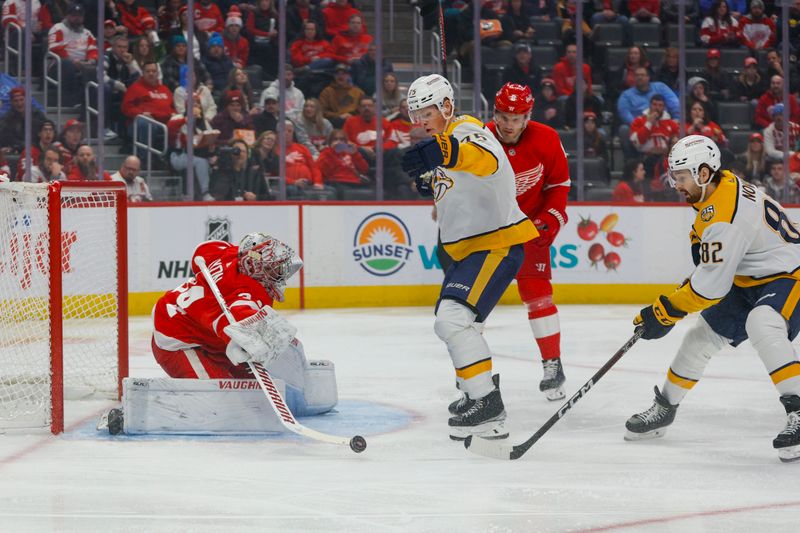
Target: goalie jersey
189	316
745	238
476	200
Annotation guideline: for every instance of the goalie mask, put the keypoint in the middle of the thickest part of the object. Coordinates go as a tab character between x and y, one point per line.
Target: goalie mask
268	261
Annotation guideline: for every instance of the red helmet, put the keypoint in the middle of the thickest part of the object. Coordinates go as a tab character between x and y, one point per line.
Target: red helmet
514	98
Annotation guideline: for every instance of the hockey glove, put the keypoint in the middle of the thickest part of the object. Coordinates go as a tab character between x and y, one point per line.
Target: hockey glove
424	184
263	336
438	151
548	226
658	319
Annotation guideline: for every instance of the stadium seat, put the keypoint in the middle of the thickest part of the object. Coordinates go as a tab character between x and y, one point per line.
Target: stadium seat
597	194
492	79
547	32
595	171
545	57
656	56
615	56
568	140
734	115
496	56
608	34
696	58
672	35
733	60
646	34
256	75
738	140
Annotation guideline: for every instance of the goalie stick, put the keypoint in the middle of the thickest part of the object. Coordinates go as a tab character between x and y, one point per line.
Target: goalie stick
356	443
499	450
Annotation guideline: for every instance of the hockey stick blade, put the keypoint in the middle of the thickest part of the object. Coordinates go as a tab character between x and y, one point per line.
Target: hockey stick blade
500	450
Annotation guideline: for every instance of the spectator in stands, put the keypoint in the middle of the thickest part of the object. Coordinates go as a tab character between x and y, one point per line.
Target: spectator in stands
77	48
750	84
69	141
794	27
644	11
564	72
548	109
566	10
364	70
293	98
774	95
609	12
697	89
669	12
311	124
302	173
143	52
45	139
700	124
651	132
267	120
773	135
719	81
128	173
264	156
632	102
310	51
631	187
517	22
490	31
754	159
203	141
85	167
668	72
757	31
171	65
719	28
737	7
351	45
232	172
208	17
12	124
138	20
298	14
591	102
620	79
776	187
217	63
594	144
236	46
120	72
169	20
341	163
391	95
340	99
402	126
202	94
337	16
262	28
544	9
148	97
775	68
522	69
48	168
233	117
361	129
15	12
200	38
238	80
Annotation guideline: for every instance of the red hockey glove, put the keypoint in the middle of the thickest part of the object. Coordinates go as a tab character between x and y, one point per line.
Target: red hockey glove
548	226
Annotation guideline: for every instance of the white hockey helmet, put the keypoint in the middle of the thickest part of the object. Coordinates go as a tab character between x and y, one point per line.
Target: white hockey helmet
430	90
268	261
692	152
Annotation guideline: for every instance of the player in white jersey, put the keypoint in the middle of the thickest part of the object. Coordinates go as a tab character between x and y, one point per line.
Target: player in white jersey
746	283
464	168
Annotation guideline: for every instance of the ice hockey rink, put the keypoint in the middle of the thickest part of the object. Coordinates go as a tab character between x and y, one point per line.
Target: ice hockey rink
714	471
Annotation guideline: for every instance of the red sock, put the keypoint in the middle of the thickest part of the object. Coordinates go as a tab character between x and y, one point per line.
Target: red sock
542	314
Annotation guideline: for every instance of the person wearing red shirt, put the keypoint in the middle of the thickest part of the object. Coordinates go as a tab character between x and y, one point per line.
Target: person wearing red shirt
208	17
565	74
644	11
311	51
148	97
341	163
137	19
302	171
360	129
757	31
774	95
542	179
77	48
47	139
236	46
349	46
631	188
652	133
337	17
85	168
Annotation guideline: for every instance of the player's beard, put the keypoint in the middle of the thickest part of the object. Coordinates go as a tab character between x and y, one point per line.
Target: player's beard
87	169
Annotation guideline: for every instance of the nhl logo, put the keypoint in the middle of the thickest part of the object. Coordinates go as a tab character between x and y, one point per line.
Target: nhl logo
218	229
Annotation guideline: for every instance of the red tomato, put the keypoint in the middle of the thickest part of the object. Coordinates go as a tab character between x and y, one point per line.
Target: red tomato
587	229
616	238
596	253
612	260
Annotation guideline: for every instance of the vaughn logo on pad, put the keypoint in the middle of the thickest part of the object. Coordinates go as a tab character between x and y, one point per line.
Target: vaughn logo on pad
382	244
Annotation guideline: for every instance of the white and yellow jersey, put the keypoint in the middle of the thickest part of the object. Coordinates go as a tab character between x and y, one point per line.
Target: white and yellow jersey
476	199
745	239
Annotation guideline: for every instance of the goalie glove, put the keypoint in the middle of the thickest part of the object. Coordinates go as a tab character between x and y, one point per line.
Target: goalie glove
262	337
658	319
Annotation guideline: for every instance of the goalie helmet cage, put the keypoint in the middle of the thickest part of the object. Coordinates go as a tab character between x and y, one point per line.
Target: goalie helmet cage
63	298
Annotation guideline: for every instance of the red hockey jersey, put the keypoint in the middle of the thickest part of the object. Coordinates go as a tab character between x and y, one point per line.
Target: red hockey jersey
208	18
540	169
190	317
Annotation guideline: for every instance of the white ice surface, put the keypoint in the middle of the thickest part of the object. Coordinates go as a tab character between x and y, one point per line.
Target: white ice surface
714	471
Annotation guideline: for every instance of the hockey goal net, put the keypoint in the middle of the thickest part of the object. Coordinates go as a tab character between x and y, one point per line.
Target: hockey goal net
63	298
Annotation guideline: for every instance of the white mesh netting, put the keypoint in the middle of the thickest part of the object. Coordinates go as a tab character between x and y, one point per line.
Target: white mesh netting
89	270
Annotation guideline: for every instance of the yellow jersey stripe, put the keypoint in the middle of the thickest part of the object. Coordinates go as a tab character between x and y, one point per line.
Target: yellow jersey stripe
688	300
791	301
516	233
750	281
470	371
787	371
680	381
490	264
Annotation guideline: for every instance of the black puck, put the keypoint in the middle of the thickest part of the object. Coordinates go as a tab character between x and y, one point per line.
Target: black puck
358	444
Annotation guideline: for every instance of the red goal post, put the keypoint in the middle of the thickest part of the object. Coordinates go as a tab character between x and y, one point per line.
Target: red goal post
63	301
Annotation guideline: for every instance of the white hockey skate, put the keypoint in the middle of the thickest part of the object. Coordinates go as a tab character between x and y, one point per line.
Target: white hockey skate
552	384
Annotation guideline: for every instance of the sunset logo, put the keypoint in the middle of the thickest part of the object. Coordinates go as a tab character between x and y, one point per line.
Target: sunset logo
382	244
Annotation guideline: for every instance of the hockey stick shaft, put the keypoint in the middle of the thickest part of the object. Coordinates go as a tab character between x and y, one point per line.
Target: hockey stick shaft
262	376
489	448
442	44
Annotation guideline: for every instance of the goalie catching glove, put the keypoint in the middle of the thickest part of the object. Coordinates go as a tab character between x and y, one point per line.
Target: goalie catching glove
259	338
658	319
438	151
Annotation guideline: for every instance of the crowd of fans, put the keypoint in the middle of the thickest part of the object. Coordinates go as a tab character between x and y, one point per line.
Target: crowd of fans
631	105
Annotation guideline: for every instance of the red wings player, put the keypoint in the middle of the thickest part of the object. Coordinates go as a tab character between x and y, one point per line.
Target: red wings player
542	176
192	337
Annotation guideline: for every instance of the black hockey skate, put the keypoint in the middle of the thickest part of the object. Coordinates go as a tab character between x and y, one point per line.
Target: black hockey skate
461	405
788	441
113	421
552	384
484	418
652	423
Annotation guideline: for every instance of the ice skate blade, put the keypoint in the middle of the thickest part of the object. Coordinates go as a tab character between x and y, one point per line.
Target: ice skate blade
555	394
489	430
647	435
789	454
